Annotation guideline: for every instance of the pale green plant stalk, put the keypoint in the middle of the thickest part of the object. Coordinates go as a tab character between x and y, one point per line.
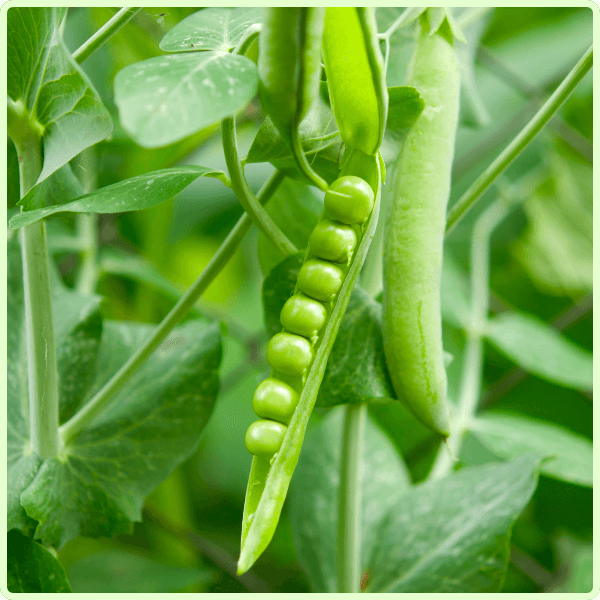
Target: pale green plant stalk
42	370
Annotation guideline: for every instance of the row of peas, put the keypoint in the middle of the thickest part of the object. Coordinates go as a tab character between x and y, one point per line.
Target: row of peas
348	203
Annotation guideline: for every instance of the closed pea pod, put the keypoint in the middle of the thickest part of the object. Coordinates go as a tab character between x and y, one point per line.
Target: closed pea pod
415	232
289	70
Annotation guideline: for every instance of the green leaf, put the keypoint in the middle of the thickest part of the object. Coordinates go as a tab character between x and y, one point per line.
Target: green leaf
49	89
211	29
295	208
136	193
32	568
509	436
405	106
315	489
118	571
556	248
98	484
452	534
61	187
167	98
12	175
319	139
356	368
540	349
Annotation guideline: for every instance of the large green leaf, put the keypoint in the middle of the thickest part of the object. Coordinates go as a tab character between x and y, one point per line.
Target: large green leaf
118	571
452	534
540	349
295	208
356	370
32	568
98	484
315	490
213	28
49	89
136	193
509	436
166	98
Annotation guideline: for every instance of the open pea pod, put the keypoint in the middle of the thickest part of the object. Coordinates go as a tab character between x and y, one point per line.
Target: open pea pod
270	476
355	76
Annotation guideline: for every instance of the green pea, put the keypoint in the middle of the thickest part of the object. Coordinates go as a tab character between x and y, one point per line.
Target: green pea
333	241
319	279
349	199
264	437
275	400
303	315
289	353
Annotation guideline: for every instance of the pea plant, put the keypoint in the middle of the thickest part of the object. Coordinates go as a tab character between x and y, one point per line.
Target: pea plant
385	304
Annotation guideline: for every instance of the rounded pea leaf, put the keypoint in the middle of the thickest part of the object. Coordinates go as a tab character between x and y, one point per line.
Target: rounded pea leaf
164	99
136	193
213	28
405	106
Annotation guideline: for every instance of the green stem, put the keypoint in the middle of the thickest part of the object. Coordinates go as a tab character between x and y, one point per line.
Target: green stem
350	498
96	405
41	350
303	163
87	229
104	33
242	190
472	370
512	151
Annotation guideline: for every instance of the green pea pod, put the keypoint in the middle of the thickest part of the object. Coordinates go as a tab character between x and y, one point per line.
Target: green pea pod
289	71
415	233
355	76
313	315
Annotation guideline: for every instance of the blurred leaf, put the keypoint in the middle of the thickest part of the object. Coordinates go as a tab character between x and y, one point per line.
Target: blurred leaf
32	568
98	484
405	106
136	193
509	436
542	350
472	108
211	29
556	248
118	571
576	560
295	208
51	88
318	136
452	534
315	489
166	98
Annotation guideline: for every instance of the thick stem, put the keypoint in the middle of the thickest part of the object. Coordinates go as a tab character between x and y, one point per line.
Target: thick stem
96	405
350	499
104	33
41	350
242	190
527	134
